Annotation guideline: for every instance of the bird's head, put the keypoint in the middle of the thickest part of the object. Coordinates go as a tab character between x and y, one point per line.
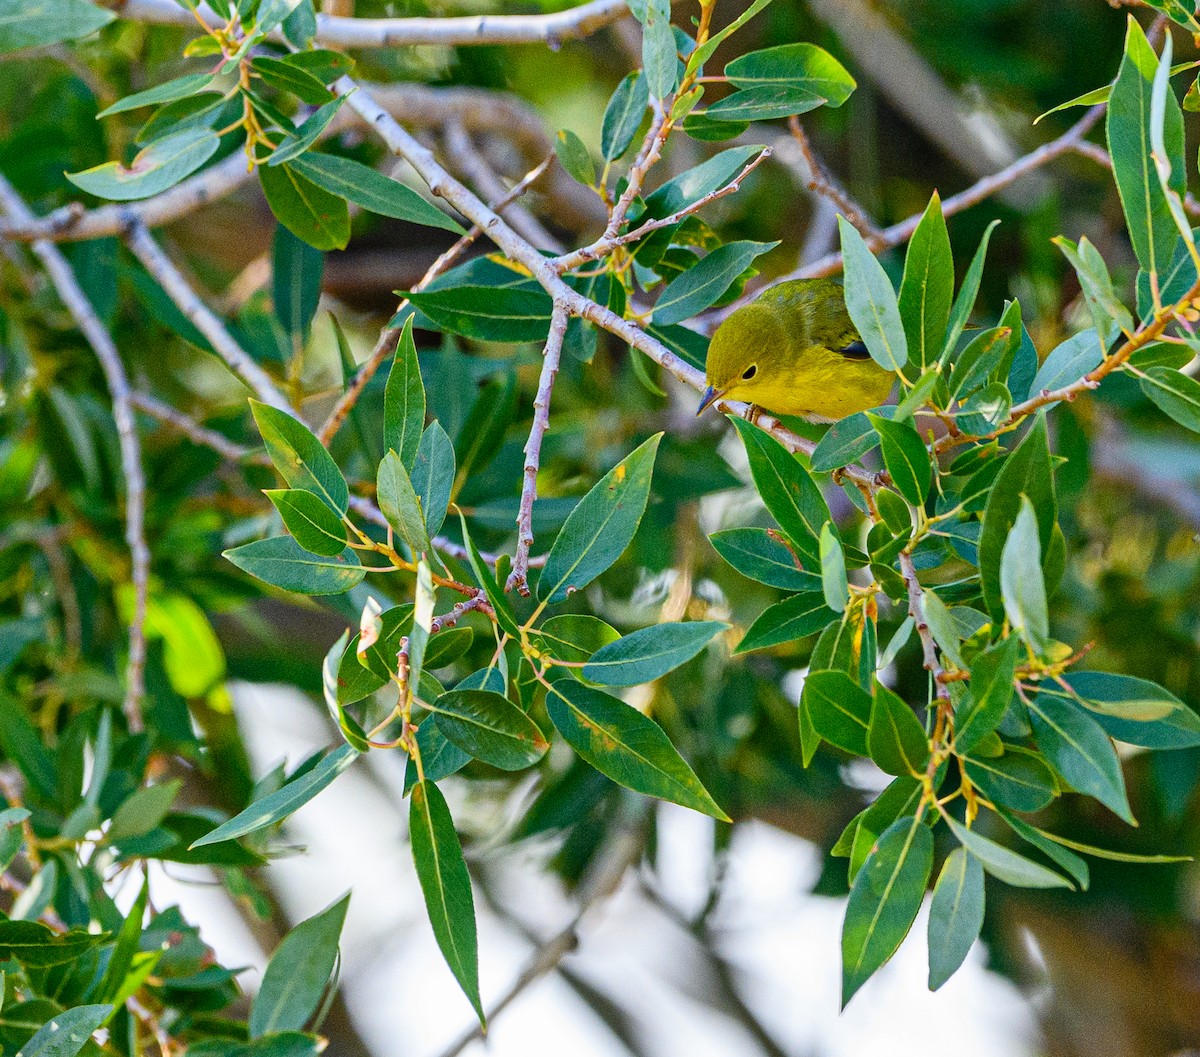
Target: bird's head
745	356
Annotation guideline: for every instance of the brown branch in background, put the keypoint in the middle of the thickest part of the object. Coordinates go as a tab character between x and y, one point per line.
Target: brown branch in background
155	260
386	343
819	182
552	30
72	295
194	431
518	578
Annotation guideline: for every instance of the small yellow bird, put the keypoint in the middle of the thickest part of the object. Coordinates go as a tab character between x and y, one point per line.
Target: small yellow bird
794	351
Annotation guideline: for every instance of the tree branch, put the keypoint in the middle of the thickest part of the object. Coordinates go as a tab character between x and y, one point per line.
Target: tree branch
72	295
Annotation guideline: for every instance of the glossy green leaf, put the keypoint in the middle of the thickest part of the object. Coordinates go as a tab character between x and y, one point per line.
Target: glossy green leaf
706	50
315	527
871	301
1068	362
306	209
306	136
762	556
1022	585
991	691
399	504
964	303
489	727
281	562
301	459
36	23
840	710
433	473
906	458
293	79
575	636
794	618
704	283
446	885
884	901
1174	394
167	92
1068	860
658	49
275	807
625	745
1017	779
298	973
848	440
487	313
486	579
834	583
623	115
157	167
601	526
1109	314
896	740
1136	711
927	288
1115	856
690	186
353	181
649	653
66	1033
764	102
573	155
955	915
1003	863
802	66
34	945
1080	751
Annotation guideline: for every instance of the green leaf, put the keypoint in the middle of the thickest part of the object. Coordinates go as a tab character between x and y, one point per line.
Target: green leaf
276	806
760	555
574	636
12	832
690	186
271	14
446	884
489	727
34	945
847	440
298	973
802	66
625	745
331	686
944	628
794	618
1080	751
704	283
433	475
1003	863
601	526
399	504
1109	314
623	115
300	458
1026	472
293	79
1018	779
834	582
1174	394
308	211
144	809
157	168
347	179
884	901
964	303
295	285
128	939
991	691
308	518
985	410
281	562
764	102
955	915
169	91
659	58
404	400
906	458
314	126
1068	362
927	288
487	313
840	710
787	490
574	157
706	50
66	1033
896	740
36	23
1022	585
649	653
1069	861
1152	229
1136	711
871	301
1115	856
325	65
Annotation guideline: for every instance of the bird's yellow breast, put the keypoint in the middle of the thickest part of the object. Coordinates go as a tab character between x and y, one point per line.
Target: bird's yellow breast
820	384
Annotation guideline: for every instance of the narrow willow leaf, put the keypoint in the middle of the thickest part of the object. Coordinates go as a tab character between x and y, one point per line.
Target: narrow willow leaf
1109	314
964	303
896	740
168	91
369	188
487	313
625	745
1068	362
801	66
906	458
787	490
157	168
991	691
762	556
871	301
433	474
848	440
689	187
764	102
288	77
1003	863
307	134
884	901
489	727
943	627
705	51
927	288
840	710
575	636
298	973
128	941
305	208
955	915
299	457
281	562
1022	585
834	582
66	1033
404	400
296	271
276	806
1136	711
1068	860
1115	856
1017	779
1174	394
446	884
623	115
601	526
1080	751
399	504
794	618
650	653
315	527
659	58
704	283
574	157
36	23
350	728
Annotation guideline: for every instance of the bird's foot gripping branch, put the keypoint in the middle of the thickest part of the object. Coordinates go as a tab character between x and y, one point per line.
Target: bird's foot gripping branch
947	557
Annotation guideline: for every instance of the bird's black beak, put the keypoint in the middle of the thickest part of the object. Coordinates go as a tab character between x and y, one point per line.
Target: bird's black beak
709	396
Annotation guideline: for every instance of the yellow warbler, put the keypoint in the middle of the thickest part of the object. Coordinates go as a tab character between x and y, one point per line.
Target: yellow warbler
794	351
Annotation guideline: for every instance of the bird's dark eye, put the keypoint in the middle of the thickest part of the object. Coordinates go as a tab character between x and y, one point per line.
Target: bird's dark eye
750	372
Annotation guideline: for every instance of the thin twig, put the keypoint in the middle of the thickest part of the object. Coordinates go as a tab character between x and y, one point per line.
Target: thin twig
518	579
63	277
819	182
194	431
